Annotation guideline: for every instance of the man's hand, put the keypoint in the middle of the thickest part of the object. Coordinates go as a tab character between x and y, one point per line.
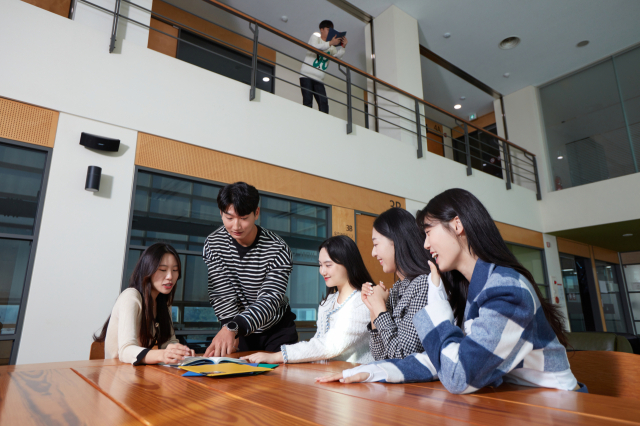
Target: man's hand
335	41
344	41
223	344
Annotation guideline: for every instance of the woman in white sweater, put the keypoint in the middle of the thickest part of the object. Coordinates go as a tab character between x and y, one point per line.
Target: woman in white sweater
141	317
342	316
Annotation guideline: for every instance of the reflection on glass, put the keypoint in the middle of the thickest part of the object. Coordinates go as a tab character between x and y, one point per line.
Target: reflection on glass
5	351
531	259
610	295
632	276
14	257
21	174
572	293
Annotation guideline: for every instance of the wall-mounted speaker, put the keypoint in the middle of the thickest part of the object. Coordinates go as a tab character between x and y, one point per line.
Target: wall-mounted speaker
99	142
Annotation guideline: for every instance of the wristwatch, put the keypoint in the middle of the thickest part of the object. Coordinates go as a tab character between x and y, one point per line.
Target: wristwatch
232	326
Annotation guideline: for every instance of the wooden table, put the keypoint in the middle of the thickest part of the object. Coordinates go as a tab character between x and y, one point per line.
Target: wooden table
111	393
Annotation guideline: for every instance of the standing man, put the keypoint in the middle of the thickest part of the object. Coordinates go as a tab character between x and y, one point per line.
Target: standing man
314	66
249	270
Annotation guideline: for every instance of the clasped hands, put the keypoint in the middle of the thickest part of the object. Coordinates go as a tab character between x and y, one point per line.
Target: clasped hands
375	298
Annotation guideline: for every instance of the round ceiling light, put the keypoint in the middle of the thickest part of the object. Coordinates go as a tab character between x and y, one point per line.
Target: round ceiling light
265	79
583	43
627	235
457	106
509	42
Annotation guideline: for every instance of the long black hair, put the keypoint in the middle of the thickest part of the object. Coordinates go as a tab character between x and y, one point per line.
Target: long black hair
399	226
141	280
343	251
484	240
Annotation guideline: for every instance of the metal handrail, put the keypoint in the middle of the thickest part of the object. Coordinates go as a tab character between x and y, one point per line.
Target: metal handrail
419	119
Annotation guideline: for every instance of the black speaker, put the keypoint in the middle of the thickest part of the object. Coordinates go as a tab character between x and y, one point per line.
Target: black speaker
93	179
99	142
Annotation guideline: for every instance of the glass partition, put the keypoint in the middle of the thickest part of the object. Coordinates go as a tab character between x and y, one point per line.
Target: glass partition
610	296
632	276
533	260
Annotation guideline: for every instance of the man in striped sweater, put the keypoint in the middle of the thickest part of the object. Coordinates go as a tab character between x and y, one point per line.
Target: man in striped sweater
249	270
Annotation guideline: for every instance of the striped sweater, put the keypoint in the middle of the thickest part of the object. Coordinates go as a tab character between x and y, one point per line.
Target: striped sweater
506	338
249	290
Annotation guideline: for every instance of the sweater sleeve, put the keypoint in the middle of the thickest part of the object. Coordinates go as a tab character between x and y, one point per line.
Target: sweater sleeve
345	333
340	52
271	297
398	335
488	352
221	294
129	347
318	43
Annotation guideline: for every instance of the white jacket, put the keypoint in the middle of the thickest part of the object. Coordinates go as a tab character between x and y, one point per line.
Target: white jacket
342	334
314	65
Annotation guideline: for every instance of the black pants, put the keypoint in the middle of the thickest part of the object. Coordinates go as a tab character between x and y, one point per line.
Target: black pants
320	94
283	333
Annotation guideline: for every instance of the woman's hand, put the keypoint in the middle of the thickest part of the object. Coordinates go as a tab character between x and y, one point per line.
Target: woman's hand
356	378
264	358
435	276
375	298
175	353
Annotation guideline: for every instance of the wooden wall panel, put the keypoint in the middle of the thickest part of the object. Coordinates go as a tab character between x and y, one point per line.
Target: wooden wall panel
606	255
161	42
234	41
517	235
364	226
28	123
343	222
178	157
630	258
59	7
573	247
434	135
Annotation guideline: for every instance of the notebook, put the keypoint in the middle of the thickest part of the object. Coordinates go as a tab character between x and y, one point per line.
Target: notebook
226	369
333	33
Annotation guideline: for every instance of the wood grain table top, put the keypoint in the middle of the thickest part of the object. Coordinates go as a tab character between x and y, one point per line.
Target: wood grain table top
110	392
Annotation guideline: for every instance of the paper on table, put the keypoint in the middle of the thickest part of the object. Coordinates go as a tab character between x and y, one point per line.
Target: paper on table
225	369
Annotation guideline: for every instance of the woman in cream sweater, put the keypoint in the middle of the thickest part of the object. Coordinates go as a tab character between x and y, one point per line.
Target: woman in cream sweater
141	317
342	316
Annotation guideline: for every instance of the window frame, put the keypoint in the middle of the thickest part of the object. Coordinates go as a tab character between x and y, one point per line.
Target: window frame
544	266
17	335
128	246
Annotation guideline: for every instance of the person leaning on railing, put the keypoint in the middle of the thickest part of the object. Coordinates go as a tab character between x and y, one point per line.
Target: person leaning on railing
315	65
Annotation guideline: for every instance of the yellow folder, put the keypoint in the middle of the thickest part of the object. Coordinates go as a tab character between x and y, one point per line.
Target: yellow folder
225	369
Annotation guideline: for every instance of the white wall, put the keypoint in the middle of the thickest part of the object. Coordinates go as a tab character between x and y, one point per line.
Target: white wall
554	276
138	89
77	272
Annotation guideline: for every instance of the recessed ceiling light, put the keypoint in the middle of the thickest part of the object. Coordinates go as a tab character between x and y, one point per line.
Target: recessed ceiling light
284	18
265	79
583	43
560	157
457	106
627	235
506	74
509	42
462	98
446	35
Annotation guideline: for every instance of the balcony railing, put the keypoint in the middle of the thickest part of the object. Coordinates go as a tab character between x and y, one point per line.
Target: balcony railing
373	103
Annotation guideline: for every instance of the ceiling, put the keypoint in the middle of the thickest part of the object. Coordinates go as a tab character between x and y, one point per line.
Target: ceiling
608	236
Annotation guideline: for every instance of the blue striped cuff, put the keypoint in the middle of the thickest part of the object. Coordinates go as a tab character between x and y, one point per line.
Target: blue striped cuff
283	348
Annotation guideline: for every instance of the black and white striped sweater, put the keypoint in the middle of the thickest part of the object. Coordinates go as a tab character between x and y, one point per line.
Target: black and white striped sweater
250	289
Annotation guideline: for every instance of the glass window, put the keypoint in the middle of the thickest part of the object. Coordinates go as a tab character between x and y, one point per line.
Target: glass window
592	122
572	292
183	213
632	277
610	296
531	259
22	173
